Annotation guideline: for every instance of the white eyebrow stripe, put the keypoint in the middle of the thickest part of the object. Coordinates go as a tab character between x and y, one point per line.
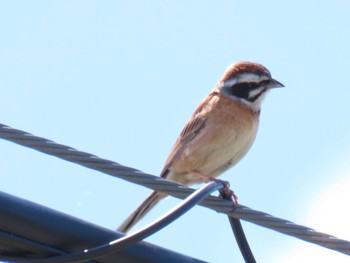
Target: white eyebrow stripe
246	77
250	77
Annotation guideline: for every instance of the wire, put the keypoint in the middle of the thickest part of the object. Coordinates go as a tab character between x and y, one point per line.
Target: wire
126	241
236	225
241	240
173	189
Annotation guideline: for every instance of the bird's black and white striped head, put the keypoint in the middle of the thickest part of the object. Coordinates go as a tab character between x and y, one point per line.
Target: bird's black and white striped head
248	82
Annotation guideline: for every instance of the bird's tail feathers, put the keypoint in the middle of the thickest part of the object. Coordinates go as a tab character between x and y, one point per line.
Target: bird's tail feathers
141	211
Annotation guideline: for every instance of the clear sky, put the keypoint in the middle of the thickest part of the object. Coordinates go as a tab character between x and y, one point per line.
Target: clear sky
119	79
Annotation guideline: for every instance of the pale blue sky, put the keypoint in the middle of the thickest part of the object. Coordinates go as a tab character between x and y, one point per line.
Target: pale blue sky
119	79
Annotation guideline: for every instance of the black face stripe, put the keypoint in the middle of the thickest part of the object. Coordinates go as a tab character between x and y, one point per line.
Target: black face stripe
243	89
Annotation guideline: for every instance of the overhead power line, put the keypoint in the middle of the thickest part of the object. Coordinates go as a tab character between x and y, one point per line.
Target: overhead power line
174	189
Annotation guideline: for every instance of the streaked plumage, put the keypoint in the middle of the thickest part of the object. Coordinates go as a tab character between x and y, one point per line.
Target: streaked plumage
218	134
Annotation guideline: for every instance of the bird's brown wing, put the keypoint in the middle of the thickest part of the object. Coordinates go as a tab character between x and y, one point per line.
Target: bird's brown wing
190	131
192	128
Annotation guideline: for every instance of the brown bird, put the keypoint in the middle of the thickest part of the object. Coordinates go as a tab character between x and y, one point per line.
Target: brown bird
218	134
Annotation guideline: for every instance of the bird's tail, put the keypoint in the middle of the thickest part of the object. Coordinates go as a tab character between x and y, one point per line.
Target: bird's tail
141	211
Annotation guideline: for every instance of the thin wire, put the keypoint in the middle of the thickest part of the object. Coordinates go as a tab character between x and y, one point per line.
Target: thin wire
126	241
173	189
237	227
241	239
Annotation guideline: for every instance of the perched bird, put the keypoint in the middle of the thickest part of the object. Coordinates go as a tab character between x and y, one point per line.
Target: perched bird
218	134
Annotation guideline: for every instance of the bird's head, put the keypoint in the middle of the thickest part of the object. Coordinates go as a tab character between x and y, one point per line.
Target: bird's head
248	82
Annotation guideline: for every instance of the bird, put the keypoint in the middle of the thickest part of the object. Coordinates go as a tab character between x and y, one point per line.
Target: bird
218	134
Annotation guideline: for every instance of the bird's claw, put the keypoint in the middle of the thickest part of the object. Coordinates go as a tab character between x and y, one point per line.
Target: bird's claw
226	192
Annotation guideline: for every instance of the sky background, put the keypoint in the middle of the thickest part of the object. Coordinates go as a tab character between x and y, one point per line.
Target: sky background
119	79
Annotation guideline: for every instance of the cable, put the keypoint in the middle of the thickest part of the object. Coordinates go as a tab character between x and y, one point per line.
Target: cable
241	240
173	189
128	240
237	228
25	244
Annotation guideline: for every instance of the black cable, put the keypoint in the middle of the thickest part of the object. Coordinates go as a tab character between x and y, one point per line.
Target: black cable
121	243
241	240
238	231
24	244
27	245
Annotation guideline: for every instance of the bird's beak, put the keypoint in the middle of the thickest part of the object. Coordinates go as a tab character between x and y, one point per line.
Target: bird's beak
275	84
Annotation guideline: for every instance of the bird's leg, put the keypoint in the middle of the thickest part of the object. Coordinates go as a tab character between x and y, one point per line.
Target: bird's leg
225	192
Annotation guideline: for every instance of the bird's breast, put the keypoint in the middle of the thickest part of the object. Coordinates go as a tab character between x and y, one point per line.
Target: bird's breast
229	131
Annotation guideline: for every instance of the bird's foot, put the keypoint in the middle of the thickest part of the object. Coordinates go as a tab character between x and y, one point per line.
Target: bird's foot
225	192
